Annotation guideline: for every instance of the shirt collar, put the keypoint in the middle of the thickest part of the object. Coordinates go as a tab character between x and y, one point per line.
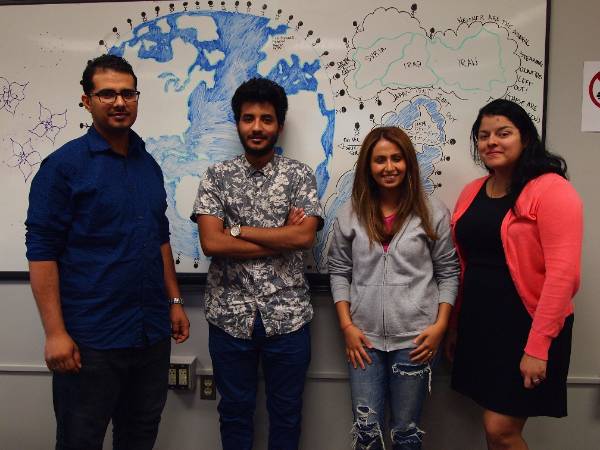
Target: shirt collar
267	170
98	144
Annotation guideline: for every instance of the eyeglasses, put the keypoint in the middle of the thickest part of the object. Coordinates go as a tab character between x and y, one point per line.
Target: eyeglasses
110	96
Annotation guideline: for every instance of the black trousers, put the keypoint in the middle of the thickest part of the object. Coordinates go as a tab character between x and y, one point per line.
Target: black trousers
128	386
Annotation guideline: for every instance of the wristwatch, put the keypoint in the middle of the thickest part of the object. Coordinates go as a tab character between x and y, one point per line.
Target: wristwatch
235	230
176	301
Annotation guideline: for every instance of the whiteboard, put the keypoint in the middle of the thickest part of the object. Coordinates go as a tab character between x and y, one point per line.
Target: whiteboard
347	66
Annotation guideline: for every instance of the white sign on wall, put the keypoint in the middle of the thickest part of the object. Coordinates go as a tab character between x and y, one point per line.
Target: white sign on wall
590	108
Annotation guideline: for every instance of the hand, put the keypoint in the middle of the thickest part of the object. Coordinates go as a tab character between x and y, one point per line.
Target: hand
296	216
180	325
356	342
427	343
450	344
533	371
62	354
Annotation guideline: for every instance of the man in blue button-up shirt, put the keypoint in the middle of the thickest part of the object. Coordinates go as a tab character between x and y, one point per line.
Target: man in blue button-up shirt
102	272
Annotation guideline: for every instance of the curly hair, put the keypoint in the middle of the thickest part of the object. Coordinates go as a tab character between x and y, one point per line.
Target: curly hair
260	90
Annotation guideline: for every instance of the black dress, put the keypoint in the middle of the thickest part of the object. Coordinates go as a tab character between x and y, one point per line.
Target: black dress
494	325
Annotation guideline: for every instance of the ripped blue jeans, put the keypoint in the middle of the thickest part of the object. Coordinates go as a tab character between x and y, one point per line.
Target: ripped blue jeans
394	379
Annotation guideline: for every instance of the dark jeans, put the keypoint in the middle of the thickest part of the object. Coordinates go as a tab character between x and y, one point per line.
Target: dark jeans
284	360
128	386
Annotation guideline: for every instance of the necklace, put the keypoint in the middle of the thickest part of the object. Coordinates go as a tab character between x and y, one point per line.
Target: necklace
493	193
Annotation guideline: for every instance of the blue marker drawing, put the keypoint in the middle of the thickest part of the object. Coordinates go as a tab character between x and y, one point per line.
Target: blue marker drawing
24	157
49	124
11	94
211	136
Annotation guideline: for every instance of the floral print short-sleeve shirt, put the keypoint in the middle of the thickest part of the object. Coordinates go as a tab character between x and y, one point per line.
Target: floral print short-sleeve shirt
237	193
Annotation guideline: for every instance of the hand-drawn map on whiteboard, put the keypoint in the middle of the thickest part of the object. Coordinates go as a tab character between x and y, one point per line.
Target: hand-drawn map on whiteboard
347	66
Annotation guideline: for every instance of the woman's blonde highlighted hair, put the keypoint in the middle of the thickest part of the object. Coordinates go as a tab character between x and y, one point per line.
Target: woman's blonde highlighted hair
365	191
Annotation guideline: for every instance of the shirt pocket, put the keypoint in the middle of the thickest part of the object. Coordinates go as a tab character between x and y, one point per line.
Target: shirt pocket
402	313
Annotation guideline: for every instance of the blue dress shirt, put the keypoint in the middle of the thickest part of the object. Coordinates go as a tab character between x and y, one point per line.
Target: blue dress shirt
101	217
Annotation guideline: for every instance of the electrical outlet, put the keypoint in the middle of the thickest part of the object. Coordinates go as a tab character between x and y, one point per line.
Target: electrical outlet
208	390
182	373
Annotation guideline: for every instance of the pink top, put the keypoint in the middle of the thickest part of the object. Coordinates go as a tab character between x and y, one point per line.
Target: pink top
542	246
387	222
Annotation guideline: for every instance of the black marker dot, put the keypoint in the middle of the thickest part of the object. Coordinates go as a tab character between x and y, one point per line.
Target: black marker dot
300	23
413	7
129	20
290	17
432	30
80	104
318	40
357	125
452	141
378	102
248	4
143	14
342	92
81	125
355	23
361	105
371	116
279	11
100	42
210	3
337	75
264	7
310	32
439	172
447	158
157	9
195	265
114	29
331	64
325	53
344	109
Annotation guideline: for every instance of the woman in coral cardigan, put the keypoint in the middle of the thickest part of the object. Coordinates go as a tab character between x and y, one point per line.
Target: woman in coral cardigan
518	233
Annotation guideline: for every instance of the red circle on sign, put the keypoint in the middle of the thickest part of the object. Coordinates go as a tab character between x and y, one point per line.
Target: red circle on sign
591	89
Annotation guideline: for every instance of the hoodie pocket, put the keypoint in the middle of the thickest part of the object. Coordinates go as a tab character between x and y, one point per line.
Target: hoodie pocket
366	310
402	314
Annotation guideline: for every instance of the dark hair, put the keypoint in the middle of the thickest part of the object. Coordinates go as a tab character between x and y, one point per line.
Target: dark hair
535	160
365	191
260	90
105	62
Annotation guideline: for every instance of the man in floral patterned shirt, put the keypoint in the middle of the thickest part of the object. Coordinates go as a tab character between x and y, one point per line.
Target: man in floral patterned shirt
256	215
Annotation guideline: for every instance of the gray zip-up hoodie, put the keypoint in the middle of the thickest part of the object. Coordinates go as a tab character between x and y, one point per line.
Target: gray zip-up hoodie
393	295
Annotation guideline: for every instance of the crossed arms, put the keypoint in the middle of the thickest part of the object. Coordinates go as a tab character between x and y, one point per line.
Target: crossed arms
298	233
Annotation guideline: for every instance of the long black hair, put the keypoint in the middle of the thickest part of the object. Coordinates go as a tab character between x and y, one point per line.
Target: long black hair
535	160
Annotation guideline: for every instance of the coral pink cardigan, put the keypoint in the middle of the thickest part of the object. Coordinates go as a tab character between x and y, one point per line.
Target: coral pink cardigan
542	246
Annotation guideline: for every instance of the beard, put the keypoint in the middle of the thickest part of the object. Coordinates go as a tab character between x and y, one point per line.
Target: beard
268	148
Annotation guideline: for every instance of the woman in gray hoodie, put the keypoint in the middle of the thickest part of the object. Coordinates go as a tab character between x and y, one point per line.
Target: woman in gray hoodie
394	278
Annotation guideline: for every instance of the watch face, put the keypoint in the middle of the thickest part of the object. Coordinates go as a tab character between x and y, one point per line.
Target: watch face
235	230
